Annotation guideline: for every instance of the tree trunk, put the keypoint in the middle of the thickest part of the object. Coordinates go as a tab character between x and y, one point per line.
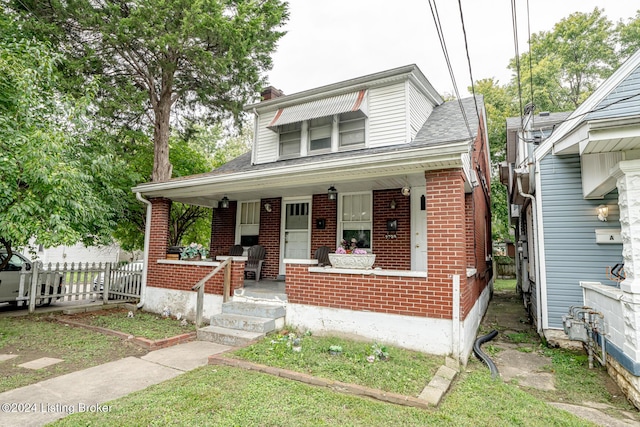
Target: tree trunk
161	166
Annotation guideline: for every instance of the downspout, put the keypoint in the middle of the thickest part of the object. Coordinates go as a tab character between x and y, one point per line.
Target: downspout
147	237
535	248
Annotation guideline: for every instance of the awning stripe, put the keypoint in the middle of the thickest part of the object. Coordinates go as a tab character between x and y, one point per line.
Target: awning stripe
355	101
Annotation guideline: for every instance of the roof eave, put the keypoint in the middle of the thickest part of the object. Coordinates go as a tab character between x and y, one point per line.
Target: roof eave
360	167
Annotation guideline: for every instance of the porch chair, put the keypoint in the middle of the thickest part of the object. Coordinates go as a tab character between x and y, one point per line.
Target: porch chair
255	258
236	250
322	255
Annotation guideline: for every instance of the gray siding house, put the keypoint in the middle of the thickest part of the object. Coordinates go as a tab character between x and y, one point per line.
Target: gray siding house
574	193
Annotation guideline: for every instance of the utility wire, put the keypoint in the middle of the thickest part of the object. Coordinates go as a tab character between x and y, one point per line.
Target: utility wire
530	53
466	47
514	23
443	45
595	110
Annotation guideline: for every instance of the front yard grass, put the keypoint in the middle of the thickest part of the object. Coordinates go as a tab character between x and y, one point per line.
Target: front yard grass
142	324
224	396
33	337
359	362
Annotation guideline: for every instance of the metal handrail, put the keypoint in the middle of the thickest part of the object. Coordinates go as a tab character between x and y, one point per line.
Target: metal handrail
200	287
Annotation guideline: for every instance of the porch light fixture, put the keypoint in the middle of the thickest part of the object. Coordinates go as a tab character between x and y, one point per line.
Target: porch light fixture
603	212
406	191
332	193
224	203
392	205
267	207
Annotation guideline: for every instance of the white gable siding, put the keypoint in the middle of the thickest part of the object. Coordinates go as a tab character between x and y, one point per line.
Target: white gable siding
419	109
387	115
266	149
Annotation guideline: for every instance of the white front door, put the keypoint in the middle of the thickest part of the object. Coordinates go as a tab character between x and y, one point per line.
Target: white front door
418	228
295	231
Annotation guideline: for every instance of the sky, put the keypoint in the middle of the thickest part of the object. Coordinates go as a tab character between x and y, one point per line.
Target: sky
329	41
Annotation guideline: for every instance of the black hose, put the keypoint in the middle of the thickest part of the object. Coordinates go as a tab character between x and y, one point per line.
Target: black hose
482	356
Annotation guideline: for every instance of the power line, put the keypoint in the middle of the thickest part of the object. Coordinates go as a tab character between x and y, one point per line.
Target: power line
466	47
514	23
443	46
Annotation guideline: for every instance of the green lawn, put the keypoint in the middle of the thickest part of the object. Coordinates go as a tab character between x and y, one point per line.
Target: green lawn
504	285
224	396
404	372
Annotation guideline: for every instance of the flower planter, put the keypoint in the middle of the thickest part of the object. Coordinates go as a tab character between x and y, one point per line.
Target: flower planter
356	261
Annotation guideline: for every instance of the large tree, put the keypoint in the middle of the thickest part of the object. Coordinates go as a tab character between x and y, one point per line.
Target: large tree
168	59
629	35
565	65
54	186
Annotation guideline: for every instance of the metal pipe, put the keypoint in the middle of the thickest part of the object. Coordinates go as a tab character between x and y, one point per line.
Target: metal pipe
535	249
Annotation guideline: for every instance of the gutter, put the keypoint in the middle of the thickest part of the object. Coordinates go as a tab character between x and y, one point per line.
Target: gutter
147	237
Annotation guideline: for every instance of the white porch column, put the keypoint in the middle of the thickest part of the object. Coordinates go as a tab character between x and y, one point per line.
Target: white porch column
627	174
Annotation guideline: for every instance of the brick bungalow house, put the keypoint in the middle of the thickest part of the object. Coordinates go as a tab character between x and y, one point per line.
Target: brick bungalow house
381	159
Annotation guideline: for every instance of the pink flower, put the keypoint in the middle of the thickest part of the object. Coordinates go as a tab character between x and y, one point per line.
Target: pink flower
341	250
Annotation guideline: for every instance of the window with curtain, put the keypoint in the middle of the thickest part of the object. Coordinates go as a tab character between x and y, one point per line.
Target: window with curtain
289	139
355	218
249	223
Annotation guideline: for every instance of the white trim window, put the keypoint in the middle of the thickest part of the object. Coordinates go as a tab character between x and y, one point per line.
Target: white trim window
320	130
355	219
248	223
289	137
352	130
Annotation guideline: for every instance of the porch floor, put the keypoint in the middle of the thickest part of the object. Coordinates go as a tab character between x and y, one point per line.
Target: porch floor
263	289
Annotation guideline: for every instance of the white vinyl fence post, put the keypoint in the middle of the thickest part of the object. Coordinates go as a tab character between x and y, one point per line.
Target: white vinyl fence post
35	272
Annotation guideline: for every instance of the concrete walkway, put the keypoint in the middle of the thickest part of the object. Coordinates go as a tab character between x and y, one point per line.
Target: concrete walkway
88	390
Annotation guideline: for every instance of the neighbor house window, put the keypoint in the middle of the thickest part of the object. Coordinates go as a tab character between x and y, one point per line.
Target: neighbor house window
320	134
249	223
289	137
355	219
352	130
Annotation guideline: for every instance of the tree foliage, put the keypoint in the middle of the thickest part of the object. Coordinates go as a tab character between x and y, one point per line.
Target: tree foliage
562	68
564	65
629	36
155	58
54	185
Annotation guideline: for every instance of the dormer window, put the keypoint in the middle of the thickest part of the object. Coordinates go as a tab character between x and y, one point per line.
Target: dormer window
321	126
352	130
320	134
290	136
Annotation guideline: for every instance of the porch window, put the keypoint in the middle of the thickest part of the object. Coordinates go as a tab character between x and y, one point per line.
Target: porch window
249	223
320	134
355	218
290	137
352	130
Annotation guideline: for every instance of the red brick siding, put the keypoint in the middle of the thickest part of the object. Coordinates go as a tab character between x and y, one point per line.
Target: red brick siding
446	254
159	229
184	277
394	254
328	210
381	294
270	237
223	230
478	219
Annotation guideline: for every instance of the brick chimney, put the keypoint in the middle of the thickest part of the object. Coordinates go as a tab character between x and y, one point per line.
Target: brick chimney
271	93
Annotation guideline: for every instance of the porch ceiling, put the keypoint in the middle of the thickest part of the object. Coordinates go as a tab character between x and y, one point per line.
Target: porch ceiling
356	174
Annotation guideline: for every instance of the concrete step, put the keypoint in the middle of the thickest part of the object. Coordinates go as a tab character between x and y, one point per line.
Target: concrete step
255	310
225	336
244	323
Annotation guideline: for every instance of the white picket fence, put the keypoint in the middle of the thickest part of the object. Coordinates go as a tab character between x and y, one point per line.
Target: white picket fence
65	282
